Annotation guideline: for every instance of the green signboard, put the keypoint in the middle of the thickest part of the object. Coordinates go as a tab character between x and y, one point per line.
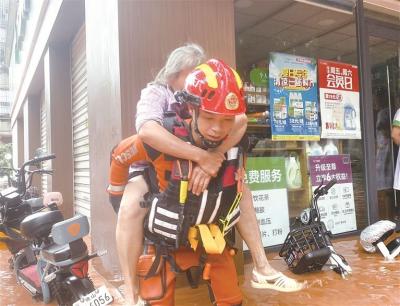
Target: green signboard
266	178
259	77
265	173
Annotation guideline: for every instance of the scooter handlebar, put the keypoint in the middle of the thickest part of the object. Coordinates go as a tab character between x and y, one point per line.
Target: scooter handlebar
42	158
329	185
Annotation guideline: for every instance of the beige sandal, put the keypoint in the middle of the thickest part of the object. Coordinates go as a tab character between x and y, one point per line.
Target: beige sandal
277	282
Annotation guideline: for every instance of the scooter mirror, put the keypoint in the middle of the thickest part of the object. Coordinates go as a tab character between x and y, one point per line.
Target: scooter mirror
39	152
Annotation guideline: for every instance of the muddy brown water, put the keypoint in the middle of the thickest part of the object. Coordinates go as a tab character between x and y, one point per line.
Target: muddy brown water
373	282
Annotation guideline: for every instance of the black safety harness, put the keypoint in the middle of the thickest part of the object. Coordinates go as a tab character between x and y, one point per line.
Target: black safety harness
178	218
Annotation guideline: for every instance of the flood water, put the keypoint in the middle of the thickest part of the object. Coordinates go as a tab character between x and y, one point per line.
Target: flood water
373	282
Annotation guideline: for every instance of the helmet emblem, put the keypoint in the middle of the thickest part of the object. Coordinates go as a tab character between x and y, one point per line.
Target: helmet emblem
231	101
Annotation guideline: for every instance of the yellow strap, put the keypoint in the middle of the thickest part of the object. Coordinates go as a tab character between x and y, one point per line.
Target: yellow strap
193	237
183	190
212	238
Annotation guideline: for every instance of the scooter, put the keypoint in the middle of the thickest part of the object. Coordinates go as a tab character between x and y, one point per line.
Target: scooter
307	246
49	256
60	269
14	207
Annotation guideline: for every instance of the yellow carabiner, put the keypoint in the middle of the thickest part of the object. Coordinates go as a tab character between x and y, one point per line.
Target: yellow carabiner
183	191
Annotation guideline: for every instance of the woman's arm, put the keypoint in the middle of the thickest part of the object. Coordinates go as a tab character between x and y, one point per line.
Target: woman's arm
160	139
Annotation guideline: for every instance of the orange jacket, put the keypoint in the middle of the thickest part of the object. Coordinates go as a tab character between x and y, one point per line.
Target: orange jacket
129	151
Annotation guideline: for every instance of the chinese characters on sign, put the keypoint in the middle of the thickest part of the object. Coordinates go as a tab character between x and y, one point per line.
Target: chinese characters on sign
266	179
340	100
263	176
337	207
293	97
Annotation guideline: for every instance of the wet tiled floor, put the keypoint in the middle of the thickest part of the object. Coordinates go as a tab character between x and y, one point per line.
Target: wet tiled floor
373	282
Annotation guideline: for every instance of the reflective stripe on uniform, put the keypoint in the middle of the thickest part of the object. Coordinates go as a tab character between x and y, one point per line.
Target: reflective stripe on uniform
165	224
152	213
217	204
165	234
167	213
115	188
232	153
202	206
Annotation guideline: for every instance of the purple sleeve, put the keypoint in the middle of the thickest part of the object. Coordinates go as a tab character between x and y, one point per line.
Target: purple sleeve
152	105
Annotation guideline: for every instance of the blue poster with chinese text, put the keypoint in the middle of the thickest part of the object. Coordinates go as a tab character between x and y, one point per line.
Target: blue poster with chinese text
293	97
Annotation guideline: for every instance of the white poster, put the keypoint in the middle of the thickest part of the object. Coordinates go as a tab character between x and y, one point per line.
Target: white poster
337	208
272	215
266	179
339	99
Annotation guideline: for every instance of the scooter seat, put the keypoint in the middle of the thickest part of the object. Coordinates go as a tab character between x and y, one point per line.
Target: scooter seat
38	225
57	253
35	203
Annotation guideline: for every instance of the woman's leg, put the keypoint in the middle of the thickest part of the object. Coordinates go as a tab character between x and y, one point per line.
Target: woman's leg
129	234
264	276
250	232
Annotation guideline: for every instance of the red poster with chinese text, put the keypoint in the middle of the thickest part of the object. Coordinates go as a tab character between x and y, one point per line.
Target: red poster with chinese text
339	99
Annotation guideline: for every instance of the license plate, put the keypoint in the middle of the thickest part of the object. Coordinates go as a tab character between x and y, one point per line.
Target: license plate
98	297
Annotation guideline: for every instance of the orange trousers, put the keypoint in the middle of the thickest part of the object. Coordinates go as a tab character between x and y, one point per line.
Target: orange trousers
222	278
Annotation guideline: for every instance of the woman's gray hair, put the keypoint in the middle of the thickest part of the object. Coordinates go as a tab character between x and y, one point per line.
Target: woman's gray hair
187	56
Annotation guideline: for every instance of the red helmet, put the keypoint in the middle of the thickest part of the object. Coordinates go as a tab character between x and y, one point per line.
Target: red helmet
216	88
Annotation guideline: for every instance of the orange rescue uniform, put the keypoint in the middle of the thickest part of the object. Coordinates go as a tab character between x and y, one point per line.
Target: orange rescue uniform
222	276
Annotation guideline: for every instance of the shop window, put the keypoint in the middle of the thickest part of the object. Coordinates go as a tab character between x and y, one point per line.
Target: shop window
299	139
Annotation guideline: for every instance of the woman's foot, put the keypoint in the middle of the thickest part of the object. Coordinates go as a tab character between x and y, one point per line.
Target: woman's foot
269	278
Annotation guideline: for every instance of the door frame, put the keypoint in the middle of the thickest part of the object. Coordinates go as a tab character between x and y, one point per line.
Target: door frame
365	27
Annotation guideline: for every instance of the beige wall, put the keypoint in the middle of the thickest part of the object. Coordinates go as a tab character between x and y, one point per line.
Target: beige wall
138	35
17	133
32	132
104	107
57	95
150	30
31	126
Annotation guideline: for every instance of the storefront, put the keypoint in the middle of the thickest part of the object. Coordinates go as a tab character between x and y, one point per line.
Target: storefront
314	115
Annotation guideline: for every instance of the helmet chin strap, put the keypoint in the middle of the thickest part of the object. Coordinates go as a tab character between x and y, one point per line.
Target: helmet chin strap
205	143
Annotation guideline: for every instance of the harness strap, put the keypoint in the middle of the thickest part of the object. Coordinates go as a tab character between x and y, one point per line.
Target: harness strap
211	237
193	274
239	176
226	222
161	255
184	168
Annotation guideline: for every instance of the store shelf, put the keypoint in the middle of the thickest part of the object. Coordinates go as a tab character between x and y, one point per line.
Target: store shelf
256	107
275	149
253	125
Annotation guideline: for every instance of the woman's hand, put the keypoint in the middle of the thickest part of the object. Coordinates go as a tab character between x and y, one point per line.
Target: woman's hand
199	181
210	162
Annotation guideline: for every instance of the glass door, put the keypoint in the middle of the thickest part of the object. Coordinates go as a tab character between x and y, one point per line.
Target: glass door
385	87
